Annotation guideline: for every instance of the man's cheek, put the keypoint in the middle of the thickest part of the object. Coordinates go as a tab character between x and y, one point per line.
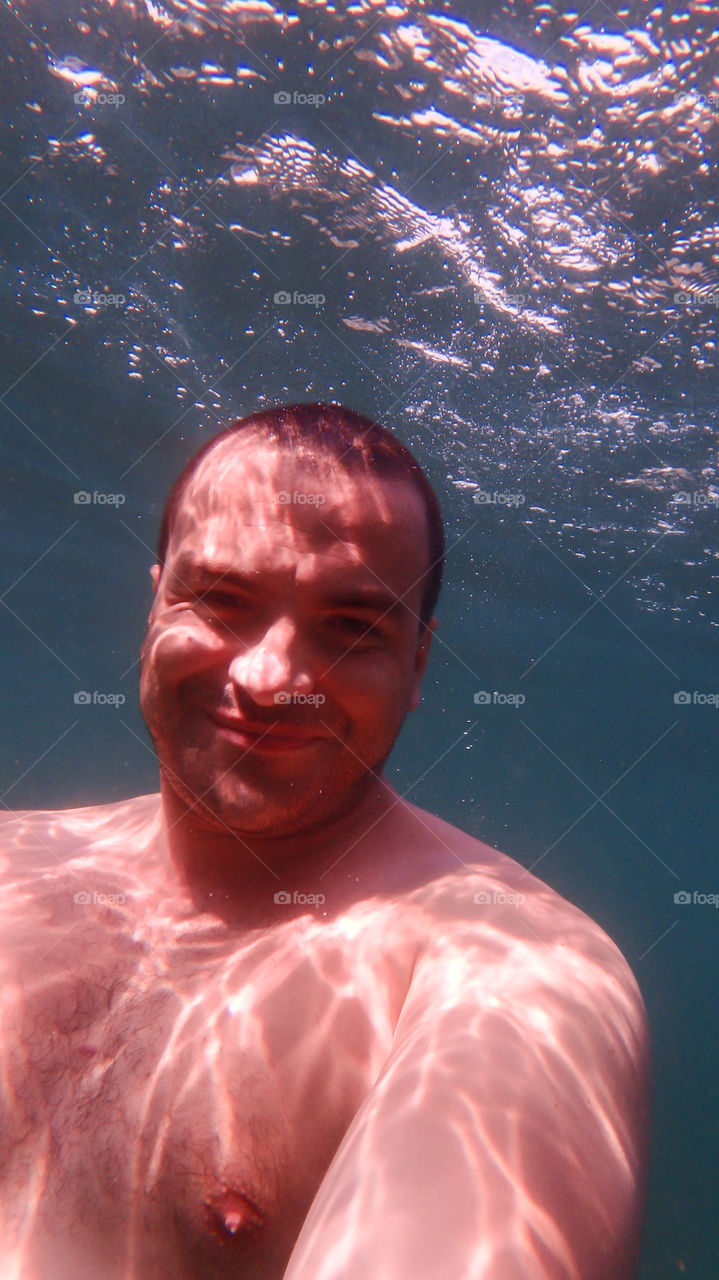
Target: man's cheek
174	650
372	697
375	680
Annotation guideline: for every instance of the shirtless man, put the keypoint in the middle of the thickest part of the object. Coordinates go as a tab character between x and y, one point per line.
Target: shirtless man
275	1021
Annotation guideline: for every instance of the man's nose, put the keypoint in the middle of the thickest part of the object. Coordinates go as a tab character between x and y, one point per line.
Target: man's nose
275	664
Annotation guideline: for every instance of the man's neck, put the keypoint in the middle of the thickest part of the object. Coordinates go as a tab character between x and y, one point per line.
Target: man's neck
238	874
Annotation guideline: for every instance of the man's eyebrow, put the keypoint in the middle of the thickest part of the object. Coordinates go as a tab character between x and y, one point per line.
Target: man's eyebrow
193	569
357	598
368	599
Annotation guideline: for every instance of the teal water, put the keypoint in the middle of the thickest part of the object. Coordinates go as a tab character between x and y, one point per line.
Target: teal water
511	216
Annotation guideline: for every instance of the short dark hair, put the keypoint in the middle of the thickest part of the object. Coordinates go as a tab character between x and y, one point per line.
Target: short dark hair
355	441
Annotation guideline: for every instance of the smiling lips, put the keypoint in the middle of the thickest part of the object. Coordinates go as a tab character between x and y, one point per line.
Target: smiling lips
263	738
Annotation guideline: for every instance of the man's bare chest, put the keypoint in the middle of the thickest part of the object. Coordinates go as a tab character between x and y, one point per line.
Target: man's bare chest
183	1096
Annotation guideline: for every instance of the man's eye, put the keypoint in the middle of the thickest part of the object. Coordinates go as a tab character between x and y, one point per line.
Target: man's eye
354	626
219	597
220	600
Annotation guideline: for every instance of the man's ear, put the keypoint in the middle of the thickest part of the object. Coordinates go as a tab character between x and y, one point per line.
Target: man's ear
421	658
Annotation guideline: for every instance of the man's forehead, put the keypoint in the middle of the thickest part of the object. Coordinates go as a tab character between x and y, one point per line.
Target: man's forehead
258	485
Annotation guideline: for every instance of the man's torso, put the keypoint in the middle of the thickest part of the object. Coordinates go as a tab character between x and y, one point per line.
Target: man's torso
173	1092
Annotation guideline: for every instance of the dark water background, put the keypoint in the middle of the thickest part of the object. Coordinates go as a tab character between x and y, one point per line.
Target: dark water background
511	213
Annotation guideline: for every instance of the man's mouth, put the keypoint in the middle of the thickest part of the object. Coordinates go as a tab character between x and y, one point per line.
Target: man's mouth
264	738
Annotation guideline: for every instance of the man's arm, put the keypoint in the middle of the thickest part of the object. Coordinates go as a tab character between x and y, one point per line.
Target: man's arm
506	1137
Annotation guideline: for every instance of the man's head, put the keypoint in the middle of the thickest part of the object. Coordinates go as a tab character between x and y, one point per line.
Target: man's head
299	562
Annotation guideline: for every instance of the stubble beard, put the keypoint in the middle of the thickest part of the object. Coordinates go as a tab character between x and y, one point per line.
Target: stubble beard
234	794
231	792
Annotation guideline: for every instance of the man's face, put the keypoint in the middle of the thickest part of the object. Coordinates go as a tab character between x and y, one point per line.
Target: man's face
283	650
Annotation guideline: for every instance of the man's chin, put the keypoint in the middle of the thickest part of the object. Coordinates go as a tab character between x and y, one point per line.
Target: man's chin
250	814
255	816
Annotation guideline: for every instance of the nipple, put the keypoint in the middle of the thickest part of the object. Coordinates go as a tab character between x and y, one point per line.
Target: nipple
231	1212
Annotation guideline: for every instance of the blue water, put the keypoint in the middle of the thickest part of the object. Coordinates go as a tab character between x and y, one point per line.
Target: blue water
511	215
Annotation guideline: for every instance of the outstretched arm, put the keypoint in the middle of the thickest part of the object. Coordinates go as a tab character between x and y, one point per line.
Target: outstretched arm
506	1138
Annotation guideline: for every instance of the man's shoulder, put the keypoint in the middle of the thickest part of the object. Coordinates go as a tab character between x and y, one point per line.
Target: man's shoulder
502	919
65	874
29	838
71	813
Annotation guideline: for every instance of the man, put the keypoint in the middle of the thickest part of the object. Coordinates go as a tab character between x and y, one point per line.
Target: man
276	1021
